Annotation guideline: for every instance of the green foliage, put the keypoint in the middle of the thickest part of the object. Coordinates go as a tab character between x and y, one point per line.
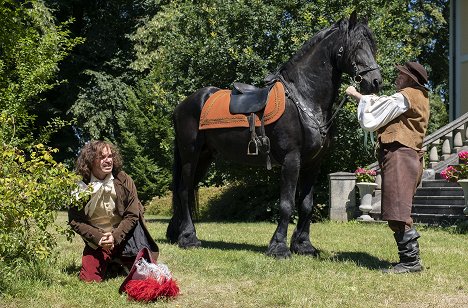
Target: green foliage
438	113
31	47
101	111
32	188
143	57
146	141
132	119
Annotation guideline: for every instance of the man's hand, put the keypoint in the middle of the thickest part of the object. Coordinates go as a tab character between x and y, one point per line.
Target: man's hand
107	241
351	91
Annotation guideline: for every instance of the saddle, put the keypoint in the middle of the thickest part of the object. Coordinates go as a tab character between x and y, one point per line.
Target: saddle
245	108
246	98
251	101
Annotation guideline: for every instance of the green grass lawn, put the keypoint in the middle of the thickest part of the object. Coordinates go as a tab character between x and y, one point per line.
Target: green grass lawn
231	270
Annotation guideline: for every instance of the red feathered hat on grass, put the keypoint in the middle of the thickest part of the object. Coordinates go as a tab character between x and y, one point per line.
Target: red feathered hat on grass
148	280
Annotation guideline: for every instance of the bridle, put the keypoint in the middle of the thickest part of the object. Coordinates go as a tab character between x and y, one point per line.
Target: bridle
357	78
357	74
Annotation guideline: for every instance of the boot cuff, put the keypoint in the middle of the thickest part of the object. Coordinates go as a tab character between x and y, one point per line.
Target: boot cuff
405	237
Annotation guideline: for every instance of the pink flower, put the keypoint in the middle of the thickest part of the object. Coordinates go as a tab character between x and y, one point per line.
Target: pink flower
463	156
458	172
449	173
365	175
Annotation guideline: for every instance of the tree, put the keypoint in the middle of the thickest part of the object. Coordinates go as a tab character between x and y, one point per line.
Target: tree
102	95
31	47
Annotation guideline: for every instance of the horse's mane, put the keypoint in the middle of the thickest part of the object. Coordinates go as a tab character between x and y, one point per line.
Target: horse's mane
359	30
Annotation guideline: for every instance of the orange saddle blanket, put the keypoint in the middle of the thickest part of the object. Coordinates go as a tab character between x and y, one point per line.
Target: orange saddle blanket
215	112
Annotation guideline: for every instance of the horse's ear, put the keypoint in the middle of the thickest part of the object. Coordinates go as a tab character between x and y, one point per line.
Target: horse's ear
353	19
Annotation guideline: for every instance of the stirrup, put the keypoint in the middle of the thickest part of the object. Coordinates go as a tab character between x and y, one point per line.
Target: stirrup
255	152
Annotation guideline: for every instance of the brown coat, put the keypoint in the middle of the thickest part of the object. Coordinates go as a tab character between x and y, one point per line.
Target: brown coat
128	206
410	127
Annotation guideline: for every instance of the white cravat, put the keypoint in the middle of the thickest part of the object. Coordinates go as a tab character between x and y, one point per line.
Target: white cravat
101	188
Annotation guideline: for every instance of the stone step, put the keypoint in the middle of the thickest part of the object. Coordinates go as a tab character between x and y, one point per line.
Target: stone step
439	191
437	219
439	209
439	183
434	200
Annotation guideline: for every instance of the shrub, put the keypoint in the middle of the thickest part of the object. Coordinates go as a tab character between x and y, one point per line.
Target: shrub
32	188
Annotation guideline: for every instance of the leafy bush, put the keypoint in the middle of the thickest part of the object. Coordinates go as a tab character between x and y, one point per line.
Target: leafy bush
33	186
238	201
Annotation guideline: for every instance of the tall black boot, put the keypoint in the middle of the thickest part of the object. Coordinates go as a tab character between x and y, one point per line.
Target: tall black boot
408	249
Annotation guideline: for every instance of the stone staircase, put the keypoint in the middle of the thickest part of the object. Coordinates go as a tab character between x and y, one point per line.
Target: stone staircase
438	202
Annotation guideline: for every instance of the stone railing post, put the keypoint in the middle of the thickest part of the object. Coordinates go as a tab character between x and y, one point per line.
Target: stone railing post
342	196
465	135
434	154
458	138
447	145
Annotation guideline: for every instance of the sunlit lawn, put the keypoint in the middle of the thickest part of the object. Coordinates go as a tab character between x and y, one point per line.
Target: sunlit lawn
231	270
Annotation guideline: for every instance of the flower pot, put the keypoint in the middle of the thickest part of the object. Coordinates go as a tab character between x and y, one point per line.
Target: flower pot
365	193
464	185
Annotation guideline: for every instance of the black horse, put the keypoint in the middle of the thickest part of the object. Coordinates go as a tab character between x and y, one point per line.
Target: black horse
311	78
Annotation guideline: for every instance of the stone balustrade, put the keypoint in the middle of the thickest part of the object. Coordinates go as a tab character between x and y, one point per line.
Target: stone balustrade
441	149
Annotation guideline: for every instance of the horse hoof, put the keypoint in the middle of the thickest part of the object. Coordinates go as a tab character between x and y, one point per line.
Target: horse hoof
189	241
190	245
306	249
279	252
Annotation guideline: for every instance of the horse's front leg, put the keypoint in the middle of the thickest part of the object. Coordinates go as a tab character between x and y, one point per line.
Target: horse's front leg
300	240
278	247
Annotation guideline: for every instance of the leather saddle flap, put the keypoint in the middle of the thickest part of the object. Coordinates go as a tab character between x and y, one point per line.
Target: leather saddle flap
246	98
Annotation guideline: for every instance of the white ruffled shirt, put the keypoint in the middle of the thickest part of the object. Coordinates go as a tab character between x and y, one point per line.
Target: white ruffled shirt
376	111
101	207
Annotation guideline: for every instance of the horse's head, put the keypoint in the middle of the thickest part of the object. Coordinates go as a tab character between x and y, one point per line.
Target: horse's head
357	56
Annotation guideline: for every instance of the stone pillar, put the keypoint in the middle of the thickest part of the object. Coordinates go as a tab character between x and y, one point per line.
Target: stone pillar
342	196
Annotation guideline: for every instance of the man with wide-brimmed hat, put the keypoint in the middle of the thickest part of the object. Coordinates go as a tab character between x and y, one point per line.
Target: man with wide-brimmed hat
401	122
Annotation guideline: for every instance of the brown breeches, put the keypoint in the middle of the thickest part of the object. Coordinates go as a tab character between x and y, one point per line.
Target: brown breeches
401	169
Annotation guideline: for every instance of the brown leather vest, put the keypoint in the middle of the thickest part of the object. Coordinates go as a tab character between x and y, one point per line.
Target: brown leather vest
410	127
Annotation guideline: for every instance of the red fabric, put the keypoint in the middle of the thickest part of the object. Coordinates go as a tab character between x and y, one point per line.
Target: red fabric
94	264
215	112
150	289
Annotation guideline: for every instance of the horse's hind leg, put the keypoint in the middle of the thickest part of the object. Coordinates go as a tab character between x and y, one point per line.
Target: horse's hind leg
187	150
300	240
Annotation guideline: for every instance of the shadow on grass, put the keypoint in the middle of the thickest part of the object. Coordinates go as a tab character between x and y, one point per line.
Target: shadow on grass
160	220
232	246
361	259
72	269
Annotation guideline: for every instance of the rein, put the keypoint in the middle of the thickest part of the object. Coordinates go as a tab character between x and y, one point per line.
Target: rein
323	128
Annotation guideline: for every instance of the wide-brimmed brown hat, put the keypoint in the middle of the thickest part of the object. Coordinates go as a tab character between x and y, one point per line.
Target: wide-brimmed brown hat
416	71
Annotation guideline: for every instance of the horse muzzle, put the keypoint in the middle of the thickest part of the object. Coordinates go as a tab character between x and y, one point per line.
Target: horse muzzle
370	83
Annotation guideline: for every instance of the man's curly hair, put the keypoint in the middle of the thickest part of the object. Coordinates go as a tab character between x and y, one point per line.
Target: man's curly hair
89	152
